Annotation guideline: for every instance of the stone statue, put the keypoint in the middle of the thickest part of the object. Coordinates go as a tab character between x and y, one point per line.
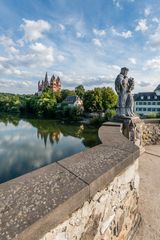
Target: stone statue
123	87
130	100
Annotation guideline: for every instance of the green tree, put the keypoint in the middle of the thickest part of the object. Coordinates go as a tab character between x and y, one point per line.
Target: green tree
93	100
99	100
80	91
46	103
109	98
10	103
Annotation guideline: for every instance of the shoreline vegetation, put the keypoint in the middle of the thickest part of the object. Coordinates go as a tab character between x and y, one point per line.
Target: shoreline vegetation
98	105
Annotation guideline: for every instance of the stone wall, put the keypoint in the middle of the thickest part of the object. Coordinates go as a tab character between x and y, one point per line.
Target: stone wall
111	214
151	133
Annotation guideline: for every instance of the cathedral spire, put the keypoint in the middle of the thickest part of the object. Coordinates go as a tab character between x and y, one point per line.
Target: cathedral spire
46	77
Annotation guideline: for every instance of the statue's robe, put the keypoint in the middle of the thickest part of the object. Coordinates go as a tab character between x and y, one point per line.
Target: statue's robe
121	86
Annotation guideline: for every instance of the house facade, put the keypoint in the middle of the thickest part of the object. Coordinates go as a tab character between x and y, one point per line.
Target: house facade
147	103
73	101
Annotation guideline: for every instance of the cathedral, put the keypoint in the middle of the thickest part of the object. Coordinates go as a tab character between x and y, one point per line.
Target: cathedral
54	84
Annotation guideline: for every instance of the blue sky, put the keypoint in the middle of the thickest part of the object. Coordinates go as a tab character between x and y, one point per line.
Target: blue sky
84	42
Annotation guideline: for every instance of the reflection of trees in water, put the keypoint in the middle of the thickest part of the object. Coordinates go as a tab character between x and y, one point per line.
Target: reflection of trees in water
51	130
52	136
6	119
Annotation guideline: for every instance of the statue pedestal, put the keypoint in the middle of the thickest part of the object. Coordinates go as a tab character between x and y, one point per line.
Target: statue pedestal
132	129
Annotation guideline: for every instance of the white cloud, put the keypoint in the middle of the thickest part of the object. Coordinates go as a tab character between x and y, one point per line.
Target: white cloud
34	30
142	25
36	56
3	59
20	42
99	32
13	50
41	54
127	34
62	27
8	69
6	41
155	19
105	77
147	11
9	85
143	84
117	3
9	45
77	24
79	35
153	63
97	42
61	58
132	60
155	38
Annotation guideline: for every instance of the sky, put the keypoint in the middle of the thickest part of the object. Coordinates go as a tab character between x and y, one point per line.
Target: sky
82	41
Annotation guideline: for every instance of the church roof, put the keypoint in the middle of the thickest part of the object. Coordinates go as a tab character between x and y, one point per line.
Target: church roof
70	99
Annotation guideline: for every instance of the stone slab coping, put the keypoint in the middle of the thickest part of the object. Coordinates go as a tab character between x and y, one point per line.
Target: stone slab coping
150	120
36	202
113	124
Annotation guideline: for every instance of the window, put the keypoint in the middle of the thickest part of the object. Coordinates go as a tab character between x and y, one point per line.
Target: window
158	109
153	103
137	103
148	97
142	97
144	103
155	97
144	109
140	109
158	103
140	103
149	109
153	109
137	109
149	103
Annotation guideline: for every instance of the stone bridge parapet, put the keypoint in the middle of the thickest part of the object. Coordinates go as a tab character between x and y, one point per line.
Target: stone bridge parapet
90	195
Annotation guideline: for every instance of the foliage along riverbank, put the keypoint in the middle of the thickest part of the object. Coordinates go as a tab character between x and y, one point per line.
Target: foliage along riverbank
51	105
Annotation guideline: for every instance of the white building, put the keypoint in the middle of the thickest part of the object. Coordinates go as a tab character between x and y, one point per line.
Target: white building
147	103
73	101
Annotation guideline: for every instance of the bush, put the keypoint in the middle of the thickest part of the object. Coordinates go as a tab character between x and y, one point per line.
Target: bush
97	121
152	115
109	114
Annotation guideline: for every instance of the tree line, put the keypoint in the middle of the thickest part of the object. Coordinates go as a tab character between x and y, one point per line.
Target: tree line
50	104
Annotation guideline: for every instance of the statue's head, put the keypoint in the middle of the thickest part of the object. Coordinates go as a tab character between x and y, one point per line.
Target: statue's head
124	71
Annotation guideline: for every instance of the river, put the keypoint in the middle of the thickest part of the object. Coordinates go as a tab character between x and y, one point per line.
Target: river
28	144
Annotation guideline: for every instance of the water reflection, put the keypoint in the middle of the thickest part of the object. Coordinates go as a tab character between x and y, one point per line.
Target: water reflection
27	144
52	136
